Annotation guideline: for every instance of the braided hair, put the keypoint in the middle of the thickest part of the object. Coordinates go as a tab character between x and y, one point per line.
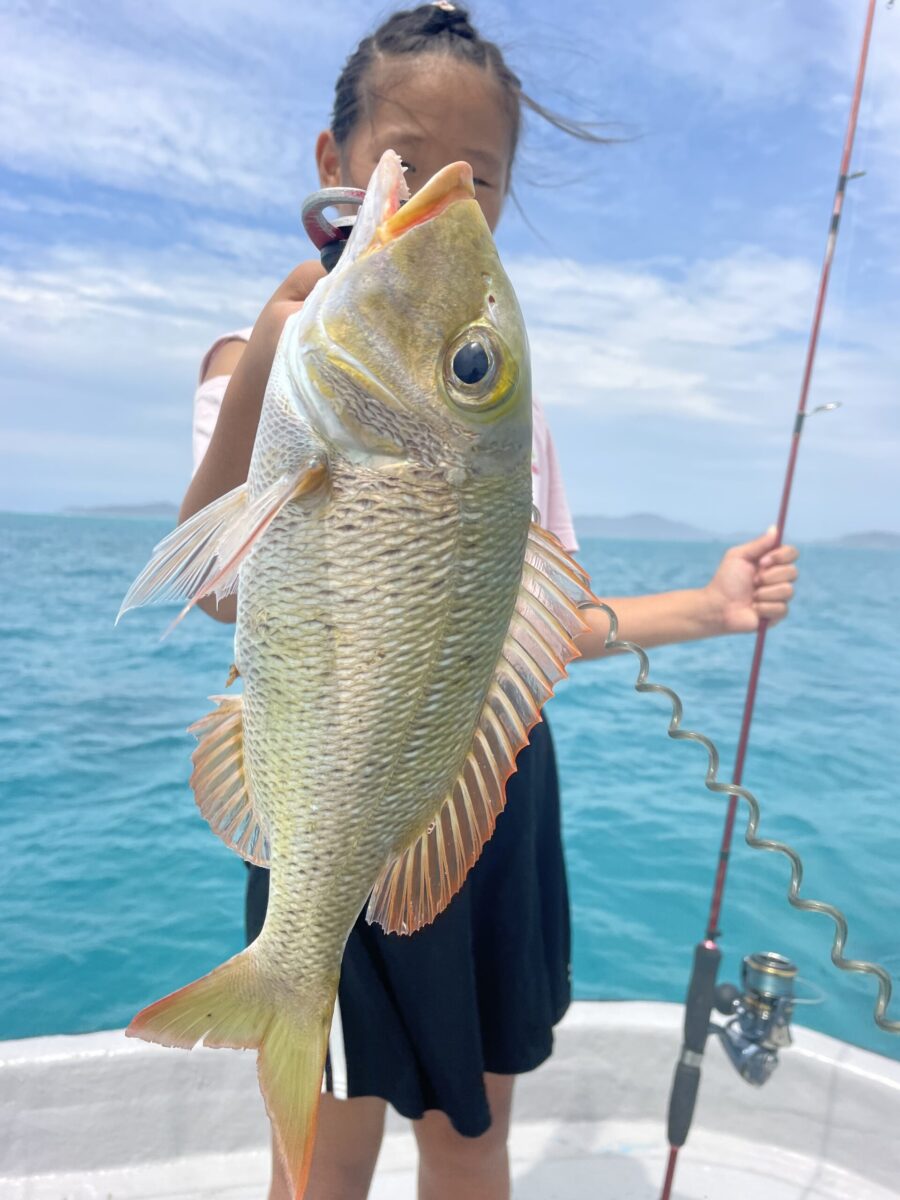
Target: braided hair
438	28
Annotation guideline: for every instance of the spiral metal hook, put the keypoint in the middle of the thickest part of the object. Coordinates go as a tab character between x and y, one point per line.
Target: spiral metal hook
885	982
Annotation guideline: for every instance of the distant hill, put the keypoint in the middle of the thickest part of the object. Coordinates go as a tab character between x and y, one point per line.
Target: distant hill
643	527
160	509
646	527
873	539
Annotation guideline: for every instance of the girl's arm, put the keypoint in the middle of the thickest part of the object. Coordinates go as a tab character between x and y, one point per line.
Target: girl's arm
227	460
753	581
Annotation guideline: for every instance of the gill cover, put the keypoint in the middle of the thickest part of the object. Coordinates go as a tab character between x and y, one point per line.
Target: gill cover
414	347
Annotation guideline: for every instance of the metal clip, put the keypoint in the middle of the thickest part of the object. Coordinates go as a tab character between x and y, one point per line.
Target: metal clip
803	417
329	237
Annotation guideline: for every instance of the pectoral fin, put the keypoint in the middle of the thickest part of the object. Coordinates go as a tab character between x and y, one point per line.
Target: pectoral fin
203	556
420	882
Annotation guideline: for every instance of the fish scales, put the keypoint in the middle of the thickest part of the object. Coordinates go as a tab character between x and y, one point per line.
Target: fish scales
393	652
357	722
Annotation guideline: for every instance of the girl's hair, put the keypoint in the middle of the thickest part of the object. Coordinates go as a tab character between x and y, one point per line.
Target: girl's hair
438	29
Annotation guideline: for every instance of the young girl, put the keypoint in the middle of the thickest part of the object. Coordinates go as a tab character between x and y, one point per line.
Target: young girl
439	1024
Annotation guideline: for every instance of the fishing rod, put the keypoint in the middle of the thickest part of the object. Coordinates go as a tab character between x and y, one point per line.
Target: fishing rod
769	988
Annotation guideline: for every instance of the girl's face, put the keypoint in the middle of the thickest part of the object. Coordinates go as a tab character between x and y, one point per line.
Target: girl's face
432	110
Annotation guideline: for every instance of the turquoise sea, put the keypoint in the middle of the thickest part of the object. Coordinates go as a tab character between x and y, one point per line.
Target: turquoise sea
114	891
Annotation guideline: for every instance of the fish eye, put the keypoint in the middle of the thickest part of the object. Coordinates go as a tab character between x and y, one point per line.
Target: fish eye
477	370
471	362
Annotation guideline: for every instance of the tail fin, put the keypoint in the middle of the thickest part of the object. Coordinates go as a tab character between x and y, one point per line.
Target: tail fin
229	1007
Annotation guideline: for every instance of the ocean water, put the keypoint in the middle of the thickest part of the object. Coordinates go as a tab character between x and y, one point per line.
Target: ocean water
114	892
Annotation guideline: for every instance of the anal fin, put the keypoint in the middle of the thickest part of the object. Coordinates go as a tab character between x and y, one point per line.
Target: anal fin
421	881
220	784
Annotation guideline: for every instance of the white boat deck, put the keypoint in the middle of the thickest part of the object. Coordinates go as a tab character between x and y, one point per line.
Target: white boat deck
99	1117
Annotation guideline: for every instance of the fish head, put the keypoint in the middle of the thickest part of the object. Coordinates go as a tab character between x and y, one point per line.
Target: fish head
414	348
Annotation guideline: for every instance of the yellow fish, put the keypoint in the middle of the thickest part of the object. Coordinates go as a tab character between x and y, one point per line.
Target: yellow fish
400	622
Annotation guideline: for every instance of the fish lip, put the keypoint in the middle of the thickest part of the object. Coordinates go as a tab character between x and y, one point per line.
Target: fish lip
450	185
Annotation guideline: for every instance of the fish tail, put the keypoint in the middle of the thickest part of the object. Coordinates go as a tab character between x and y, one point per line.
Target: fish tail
232	1006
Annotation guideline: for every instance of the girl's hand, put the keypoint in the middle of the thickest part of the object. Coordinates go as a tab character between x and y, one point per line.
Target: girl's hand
753	581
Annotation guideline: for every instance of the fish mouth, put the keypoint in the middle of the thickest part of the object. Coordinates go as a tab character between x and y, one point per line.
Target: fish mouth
451	184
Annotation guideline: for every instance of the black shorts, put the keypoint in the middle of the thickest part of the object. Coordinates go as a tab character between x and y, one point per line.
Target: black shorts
420	1019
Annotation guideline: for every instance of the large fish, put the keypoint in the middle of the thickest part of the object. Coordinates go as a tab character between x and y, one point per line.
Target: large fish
400	622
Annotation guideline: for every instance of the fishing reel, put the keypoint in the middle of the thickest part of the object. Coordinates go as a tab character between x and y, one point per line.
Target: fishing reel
760	1014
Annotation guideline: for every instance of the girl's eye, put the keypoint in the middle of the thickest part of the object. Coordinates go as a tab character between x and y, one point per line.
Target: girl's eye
408	167
471	363
481	183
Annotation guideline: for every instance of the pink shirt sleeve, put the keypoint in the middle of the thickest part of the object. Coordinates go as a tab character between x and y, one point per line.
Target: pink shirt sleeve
548	491
208	396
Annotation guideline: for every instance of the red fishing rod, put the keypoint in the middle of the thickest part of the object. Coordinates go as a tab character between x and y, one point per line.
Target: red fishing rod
701	996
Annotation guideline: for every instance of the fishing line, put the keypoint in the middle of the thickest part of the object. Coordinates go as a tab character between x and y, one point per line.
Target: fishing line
714	784
846	268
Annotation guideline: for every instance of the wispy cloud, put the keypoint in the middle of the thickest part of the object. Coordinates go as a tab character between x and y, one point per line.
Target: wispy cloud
79	294
672	343
714	345
75	106
152	159
770	56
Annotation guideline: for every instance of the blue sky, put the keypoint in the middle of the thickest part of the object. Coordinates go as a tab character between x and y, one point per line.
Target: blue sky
152	163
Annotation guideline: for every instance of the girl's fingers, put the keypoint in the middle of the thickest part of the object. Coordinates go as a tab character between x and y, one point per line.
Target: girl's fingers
778	592
753	549
773	613
776	575
784	554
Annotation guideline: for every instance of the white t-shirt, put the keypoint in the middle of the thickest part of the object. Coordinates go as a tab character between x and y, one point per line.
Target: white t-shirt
548	493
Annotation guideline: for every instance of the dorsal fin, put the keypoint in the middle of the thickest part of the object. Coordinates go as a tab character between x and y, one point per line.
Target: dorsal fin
419	883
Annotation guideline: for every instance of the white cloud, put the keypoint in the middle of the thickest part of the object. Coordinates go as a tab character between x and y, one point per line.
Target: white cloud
781	53
95	305
710	352
122	116
216	104
747	55
705	342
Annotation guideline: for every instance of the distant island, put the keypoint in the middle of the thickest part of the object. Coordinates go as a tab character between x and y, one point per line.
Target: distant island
639	527
648	527
873	539
160	509
644	527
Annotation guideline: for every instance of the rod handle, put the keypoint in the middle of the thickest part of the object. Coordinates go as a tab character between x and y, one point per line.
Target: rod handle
682	1099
